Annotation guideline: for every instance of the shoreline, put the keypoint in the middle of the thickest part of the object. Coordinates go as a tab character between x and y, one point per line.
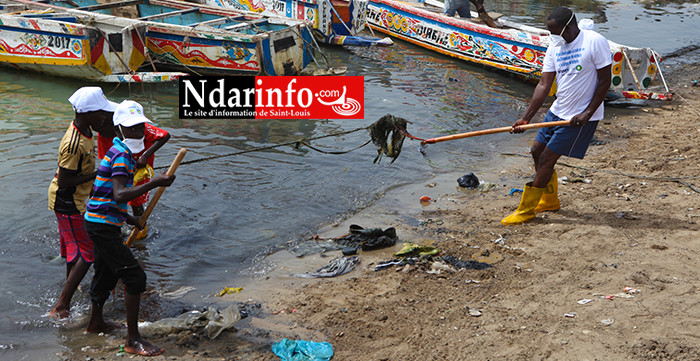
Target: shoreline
613	232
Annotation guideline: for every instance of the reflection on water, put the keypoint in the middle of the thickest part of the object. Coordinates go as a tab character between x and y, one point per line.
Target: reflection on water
210	225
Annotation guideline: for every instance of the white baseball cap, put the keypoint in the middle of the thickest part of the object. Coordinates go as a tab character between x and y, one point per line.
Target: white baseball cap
128	114
90	99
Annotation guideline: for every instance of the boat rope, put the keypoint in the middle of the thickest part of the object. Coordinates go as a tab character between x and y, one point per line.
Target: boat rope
145	49
310	47
115	51
339	18
370	28
679	180
334	152
295	143
168	60
313	38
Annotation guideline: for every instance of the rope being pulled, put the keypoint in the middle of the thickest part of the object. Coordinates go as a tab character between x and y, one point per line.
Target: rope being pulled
295	143
386	128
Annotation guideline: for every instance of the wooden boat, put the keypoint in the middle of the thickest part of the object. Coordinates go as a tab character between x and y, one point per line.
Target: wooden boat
56	44
335	21
173	36
514	48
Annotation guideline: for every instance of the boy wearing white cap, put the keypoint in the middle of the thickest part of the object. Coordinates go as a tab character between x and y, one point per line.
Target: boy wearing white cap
71	186
106	212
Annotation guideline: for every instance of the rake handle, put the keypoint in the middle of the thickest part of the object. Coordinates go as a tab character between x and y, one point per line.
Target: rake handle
156	197
493	131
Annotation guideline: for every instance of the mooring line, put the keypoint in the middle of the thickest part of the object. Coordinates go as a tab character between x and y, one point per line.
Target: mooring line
295	143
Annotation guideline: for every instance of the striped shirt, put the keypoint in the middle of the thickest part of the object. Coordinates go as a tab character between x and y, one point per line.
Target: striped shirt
102	208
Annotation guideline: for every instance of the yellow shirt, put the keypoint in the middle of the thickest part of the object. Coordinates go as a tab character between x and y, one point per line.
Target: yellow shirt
76	153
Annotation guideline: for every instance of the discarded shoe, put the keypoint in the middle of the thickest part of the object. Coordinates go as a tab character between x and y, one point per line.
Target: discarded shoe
368	238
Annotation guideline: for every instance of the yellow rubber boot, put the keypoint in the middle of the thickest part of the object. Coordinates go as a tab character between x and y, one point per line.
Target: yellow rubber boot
526	209
550	199
142	233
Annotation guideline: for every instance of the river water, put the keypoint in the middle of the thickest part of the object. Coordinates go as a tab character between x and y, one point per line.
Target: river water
220	216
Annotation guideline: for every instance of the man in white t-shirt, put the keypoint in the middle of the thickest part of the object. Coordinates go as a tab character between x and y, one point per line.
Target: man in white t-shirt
580	62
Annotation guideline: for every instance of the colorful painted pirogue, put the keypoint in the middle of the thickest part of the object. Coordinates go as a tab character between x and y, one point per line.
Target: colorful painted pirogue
168	35
335	21
514	48
54	43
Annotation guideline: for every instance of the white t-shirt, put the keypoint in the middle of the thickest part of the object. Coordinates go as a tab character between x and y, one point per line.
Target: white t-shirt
576	65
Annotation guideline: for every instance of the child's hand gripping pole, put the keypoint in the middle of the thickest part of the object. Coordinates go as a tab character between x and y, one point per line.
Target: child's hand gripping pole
156	196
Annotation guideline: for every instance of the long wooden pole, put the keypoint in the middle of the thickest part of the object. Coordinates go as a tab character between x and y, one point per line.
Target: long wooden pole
156	197
494	130
629	65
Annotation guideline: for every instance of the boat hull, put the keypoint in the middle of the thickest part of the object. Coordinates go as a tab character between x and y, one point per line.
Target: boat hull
335	21
516	48
267	47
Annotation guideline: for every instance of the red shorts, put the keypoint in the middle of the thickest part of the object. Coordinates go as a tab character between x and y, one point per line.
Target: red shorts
74	238
142	199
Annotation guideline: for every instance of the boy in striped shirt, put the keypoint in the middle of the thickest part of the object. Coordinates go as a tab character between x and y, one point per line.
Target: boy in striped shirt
106	212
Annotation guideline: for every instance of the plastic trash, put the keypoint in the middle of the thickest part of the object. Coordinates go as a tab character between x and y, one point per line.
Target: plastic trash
229	290
143	173
212	321
336	267
411	249
514	190
301	350
469	181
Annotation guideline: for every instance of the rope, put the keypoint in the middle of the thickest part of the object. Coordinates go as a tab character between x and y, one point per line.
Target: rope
337	152
295	143
679	180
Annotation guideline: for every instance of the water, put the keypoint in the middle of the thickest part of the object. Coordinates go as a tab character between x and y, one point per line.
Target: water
219	215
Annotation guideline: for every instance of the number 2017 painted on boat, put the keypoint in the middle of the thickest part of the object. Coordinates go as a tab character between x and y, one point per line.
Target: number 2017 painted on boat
58	42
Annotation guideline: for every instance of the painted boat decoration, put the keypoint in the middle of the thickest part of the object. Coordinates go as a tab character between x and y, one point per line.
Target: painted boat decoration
215	41
514	48
55	44
171	36
335	21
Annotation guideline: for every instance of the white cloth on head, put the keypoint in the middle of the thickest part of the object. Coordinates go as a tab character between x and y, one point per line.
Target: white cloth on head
585	24
90	99
576	65
128	114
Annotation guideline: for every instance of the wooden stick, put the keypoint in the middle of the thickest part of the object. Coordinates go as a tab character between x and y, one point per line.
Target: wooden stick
156	197
494	130
629	64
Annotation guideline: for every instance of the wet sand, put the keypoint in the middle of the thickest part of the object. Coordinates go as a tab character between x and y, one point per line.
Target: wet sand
628	219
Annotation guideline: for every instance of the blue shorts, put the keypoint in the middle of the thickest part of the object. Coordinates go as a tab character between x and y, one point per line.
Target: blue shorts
460	7
571	141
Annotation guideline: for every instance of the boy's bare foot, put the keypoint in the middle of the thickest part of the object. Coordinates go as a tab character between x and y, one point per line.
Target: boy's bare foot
142	347
59	313
106	327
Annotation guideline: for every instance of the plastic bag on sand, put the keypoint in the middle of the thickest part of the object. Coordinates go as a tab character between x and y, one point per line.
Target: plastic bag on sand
212	321
301	350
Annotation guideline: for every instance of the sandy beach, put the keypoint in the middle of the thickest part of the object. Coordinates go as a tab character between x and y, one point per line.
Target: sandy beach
612	275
